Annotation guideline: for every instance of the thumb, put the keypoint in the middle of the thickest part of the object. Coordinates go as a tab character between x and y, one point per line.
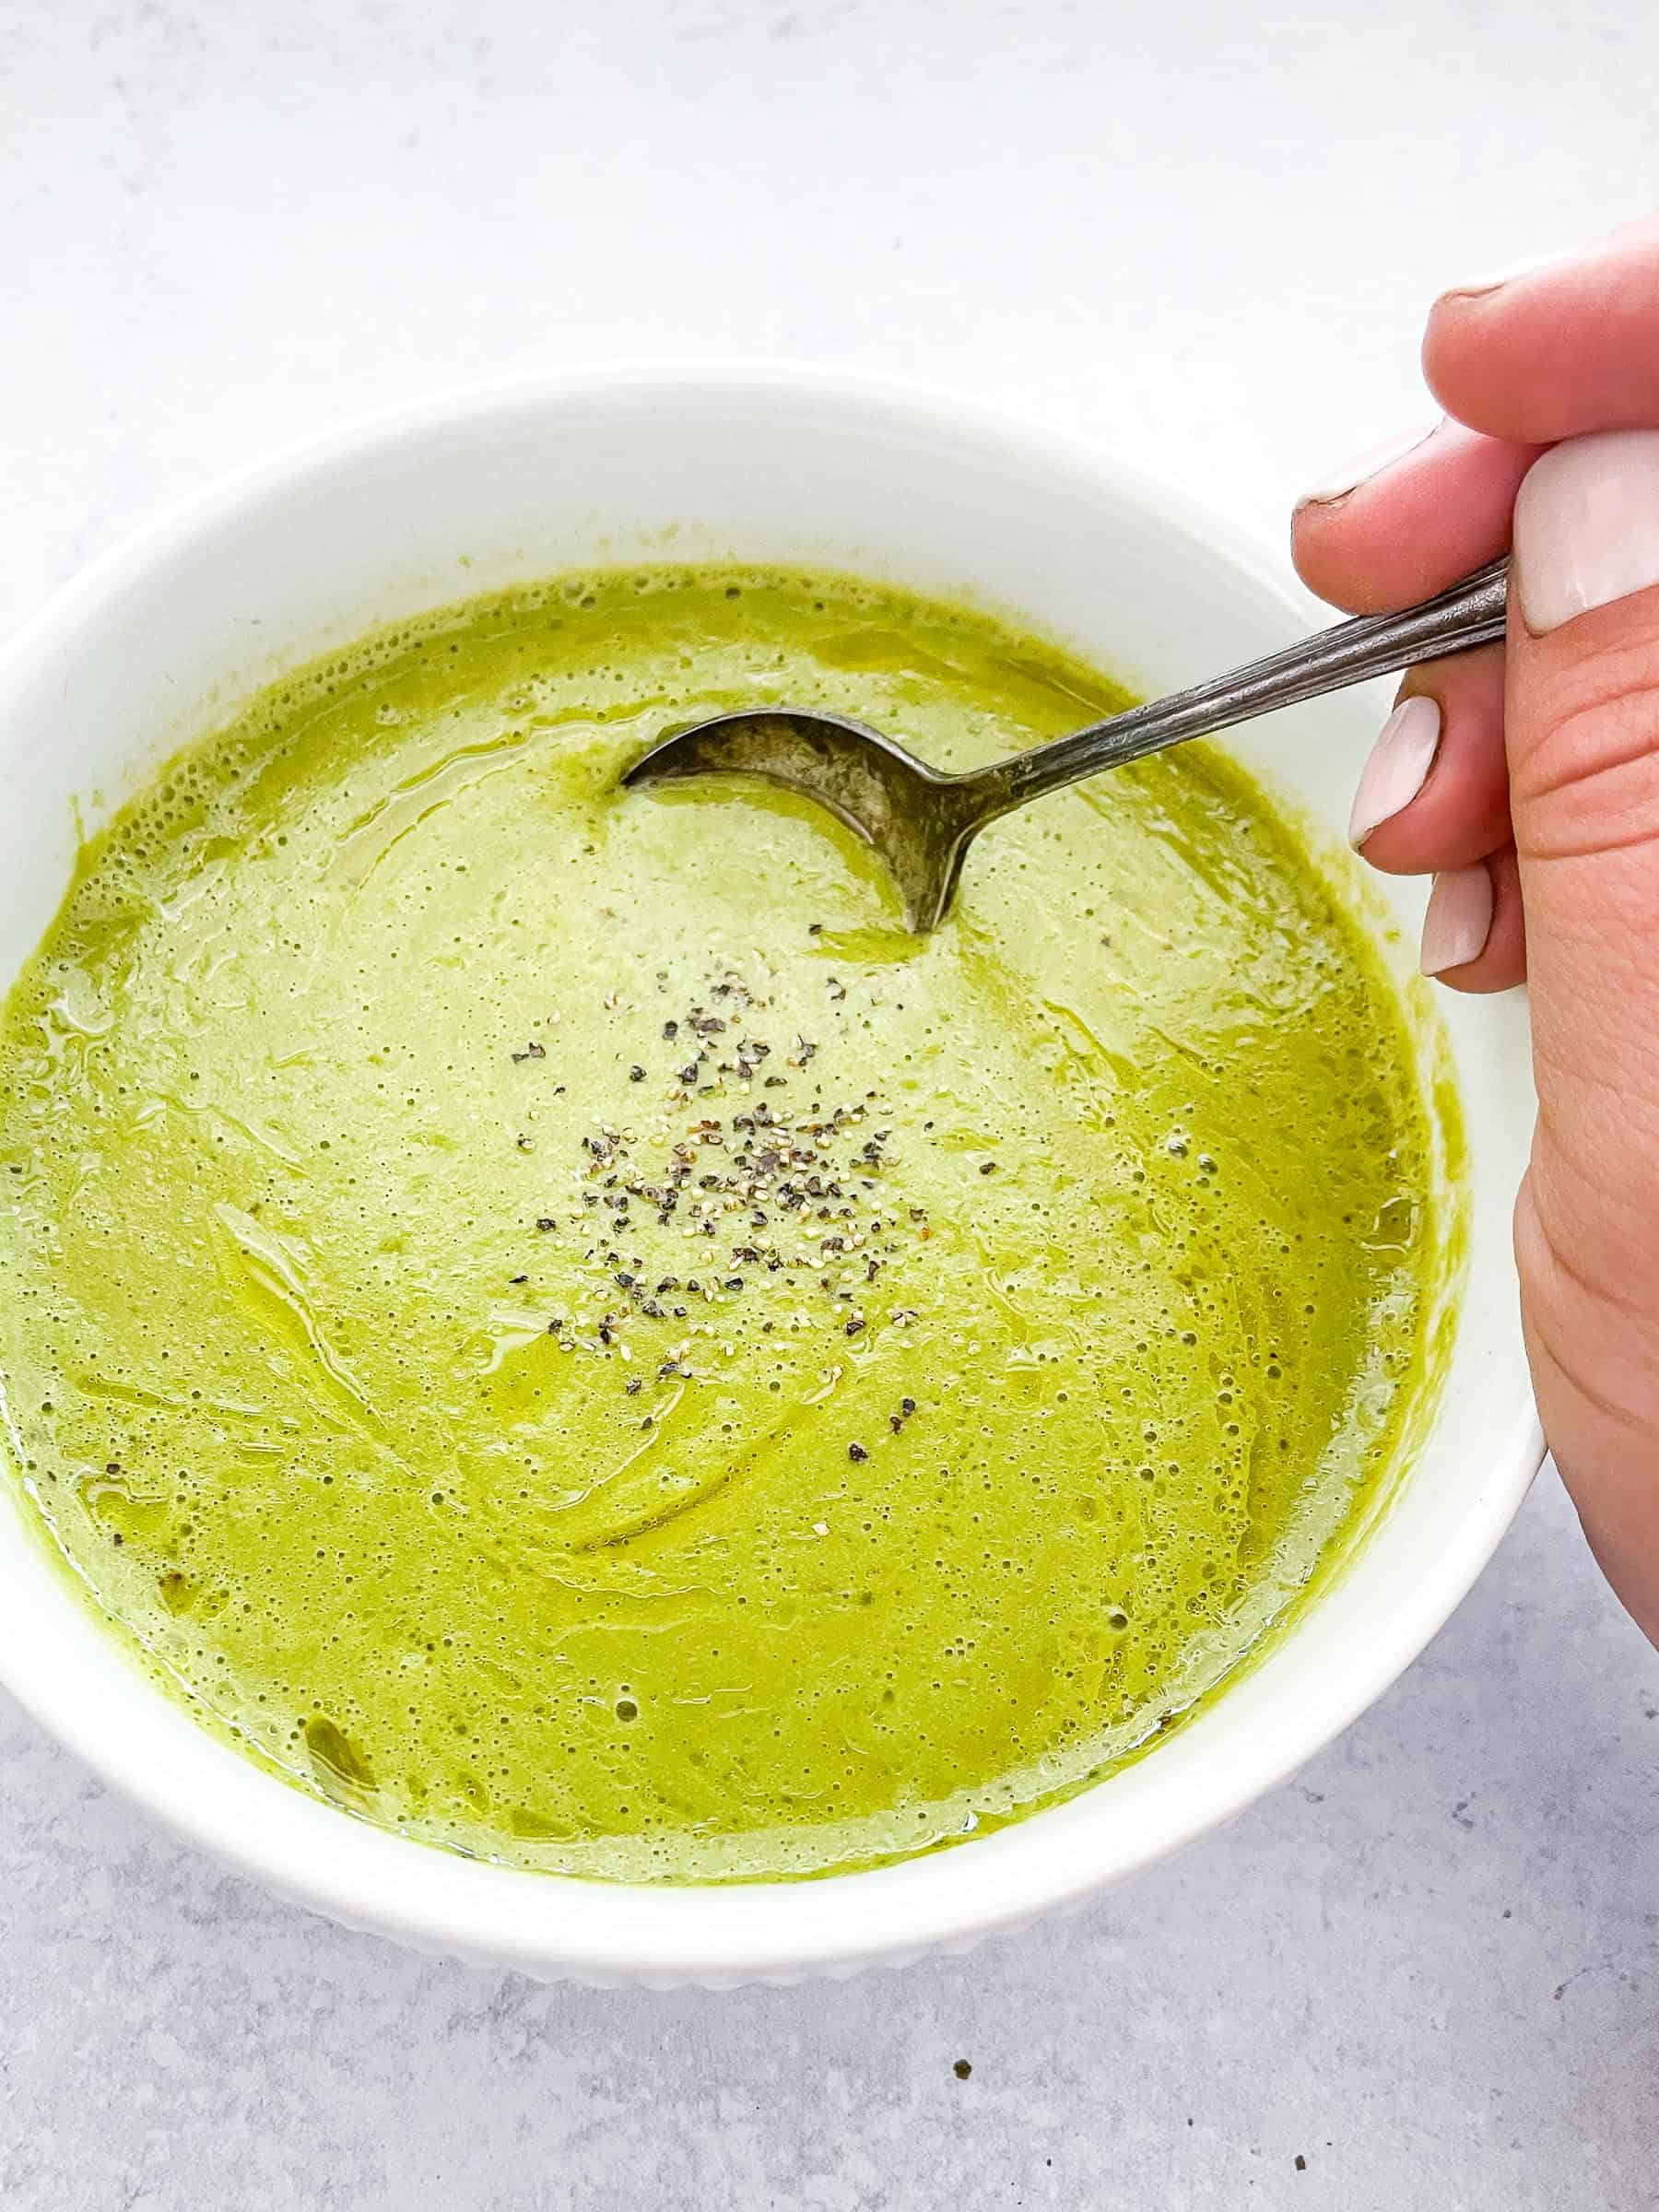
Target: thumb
1581	718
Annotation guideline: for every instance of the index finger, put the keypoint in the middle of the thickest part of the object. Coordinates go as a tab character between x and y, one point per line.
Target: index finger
1566	347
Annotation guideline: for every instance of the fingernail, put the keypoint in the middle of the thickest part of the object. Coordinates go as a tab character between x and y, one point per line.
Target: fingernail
1399	762
1512	273
1459	919
1345	482
1587	526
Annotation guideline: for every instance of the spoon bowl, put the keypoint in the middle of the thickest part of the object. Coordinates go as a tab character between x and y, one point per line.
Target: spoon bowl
919	821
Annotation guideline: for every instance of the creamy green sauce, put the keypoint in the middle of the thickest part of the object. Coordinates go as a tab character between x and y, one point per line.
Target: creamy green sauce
553	1321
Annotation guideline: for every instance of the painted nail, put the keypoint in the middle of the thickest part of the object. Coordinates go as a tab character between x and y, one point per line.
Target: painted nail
1399	762
1512	273
1459	920
1348	480
1587	526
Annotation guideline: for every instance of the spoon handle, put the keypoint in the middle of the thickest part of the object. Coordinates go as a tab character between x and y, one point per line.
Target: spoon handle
1472	613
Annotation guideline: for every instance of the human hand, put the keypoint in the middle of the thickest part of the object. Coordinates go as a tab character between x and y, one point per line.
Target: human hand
1525	778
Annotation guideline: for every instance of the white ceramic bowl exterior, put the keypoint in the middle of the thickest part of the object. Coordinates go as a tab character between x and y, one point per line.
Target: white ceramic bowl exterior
464	494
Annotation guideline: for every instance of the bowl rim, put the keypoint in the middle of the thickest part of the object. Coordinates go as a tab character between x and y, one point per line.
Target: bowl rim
777	1929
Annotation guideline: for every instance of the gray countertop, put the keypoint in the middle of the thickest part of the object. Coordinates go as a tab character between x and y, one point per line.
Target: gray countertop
1427	1967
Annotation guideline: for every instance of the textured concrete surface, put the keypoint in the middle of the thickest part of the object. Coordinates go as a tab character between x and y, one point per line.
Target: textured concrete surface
1428	1968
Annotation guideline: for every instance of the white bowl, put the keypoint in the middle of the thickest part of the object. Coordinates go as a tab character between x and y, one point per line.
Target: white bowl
465	493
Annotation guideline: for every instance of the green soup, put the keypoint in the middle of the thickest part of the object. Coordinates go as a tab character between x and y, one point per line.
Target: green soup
554	1322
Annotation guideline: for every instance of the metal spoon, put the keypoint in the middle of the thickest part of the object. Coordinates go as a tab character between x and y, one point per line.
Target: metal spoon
922	823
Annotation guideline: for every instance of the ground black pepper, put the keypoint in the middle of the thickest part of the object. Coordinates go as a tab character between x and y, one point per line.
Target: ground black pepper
772	1176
